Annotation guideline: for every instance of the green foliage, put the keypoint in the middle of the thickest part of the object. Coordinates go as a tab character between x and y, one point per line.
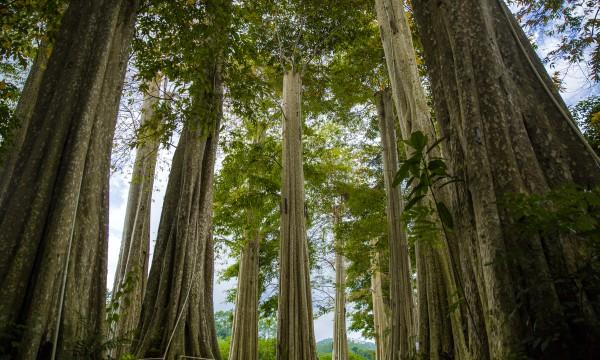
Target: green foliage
267	348
423	175
224	323
357	350
9	95
587	115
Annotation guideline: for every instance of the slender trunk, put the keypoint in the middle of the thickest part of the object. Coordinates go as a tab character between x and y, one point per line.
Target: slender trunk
457	287
244	338
403	335
132	268
177	314
381	311
54	217
23	113
340	337
509	132
296	339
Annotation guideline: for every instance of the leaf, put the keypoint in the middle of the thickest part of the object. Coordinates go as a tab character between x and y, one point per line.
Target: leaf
445	215
417	140
413	202
402	173
437	167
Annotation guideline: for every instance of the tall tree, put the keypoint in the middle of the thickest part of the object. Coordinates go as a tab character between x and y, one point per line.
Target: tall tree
177	310
22	115
509	132
340	336
134	256
54	221
256	204
403	332
381	311
188	43
296	339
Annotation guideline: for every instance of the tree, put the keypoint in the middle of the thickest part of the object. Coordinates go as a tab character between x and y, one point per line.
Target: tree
54	220
340	336
508	131
256	208
134	255
295	331
177	313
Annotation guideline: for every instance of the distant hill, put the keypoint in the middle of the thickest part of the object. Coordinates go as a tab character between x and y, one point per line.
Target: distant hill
362	350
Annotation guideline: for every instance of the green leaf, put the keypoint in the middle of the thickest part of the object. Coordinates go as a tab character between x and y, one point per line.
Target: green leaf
445	215
437	166
417	141
402	173
413	202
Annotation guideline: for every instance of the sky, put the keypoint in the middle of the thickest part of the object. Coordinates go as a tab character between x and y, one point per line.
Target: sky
576	88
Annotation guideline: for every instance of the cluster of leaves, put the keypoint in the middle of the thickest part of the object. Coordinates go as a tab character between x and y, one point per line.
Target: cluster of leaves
422	175
587	115
575	23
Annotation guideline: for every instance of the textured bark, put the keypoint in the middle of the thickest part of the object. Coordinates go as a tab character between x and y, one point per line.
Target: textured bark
403	334
381	311
177	311
23	113
295	336
508	133
56	208
455	282
244	338
132	268
340	336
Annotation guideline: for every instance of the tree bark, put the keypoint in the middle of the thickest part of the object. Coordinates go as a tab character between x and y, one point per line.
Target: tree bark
295	337
509	132
23	113
132	268
467	327
340	337
381	311
244	338
403	334
54	217
177	310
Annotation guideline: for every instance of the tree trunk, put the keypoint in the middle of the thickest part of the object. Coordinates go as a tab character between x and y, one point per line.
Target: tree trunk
296	339
54	218
177	314
23	113
381	311
403	335
340	337
467	327
509	132
244	338
132	268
